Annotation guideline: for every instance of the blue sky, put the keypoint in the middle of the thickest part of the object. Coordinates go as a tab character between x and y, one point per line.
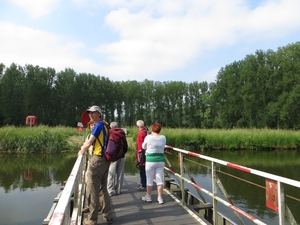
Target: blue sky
160	40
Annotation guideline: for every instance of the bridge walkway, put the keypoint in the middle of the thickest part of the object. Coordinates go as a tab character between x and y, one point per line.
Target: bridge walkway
128	208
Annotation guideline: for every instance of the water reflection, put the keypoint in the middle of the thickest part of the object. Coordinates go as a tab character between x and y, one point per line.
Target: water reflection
28	185
247	191
30	182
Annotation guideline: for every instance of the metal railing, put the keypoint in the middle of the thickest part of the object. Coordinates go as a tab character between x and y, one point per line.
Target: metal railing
271	179
68	209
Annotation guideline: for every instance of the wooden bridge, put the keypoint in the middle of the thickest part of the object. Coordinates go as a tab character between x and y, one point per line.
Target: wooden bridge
180	207
128	208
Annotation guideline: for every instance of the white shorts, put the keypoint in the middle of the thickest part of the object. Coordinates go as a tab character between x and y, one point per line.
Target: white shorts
154	170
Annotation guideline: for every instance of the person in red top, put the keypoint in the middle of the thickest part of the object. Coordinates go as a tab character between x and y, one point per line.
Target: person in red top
142	133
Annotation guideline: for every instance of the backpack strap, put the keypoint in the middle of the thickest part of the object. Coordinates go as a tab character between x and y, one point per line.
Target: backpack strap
107	134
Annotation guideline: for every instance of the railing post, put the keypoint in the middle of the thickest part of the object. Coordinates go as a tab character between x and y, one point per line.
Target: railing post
214	192
181	176
281	203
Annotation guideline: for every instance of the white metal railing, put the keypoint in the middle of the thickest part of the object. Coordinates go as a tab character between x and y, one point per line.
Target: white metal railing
68	209
270	177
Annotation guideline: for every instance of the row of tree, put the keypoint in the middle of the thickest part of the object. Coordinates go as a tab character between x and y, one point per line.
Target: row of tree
262	90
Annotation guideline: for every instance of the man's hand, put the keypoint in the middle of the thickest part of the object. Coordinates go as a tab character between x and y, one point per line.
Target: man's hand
81	152
86	145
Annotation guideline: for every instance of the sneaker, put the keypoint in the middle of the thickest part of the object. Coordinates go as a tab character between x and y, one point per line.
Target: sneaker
141	188
160	200
139	184
147	198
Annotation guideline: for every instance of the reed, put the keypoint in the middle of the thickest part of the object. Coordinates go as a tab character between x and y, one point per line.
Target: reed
39	139
203	140
60	139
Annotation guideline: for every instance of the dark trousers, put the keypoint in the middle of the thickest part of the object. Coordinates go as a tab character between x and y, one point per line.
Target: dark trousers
143	175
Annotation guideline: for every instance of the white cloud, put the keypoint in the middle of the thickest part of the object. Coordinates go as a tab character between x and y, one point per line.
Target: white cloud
153	37
37	8
167	35
24	45
272	20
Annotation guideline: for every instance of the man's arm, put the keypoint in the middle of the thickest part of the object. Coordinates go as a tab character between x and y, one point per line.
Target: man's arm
86	145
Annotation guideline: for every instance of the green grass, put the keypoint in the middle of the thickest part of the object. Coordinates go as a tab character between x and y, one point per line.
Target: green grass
203	140
39	139
60	139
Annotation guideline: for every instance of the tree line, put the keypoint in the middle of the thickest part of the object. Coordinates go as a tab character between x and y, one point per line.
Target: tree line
260	91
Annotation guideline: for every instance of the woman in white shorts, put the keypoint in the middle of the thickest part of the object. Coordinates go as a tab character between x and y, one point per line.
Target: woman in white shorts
155	161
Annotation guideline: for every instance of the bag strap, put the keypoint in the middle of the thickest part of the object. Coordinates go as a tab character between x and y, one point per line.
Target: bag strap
108	128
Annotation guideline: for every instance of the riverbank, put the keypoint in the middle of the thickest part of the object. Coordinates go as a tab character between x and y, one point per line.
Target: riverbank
40	139
203	140
62	139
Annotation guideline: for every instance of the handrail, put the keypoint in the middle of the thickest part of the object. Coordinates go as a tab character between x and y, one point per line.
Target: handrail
238	167
68	211
213	194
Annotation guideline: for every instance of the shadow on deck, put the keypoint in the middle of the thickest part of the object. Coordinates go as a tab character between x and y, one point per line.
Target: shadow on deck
128	208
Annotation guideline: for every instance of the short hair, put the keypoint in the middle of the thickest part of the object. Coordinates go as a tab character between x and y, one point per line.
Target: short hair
156	127
140	123
113	125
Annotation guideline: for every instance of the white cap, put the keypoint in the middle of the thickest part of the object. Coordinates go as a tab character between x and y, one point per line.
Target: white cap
94	108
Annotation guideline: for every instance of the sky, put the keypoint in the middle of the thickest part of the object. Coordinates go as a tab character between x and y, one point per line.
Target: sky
159	40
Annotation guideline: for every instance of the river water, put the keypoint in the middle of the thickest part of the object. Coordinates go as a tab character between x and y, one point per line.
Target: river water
30	182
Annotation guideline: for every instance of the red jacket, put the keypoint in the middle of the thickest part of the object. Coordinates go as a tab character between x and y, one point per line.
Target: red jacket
139	140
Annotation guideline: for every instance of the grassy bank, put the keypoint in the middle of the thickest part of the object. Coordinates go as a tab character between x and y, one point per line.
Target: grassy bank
61	139
202	140
39	139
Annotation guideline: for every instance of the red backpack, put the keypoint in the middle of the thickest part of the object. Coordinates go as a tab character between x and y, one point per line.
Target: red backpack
116	146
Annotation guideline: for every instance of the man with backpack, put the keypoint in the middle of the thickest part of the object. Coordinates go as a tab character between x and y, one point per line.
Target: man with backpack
116	169
98	169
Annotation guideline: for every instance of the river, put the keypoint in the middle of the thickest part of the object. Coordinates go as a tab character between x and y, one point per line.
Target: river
30	182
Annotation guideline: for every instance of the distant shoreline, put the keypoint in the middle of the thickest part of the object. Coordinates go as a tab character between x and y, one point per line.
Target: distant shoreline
46	139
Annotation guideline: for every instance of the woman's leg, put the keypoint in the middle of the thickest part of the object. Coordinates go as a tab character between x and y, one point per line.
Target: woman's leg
159	181
149	177
149	190
159	191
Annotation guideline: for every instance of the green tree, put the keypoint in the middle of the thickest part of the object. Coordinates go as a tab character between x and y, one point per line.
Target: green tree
84	86
39	84
12	95
159	106
65	98
226	95
290	96
131	92
2	68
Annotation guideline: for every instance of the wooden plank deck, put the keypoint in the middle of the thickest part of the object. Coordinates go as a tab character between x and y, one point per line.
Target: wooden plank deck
128	208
